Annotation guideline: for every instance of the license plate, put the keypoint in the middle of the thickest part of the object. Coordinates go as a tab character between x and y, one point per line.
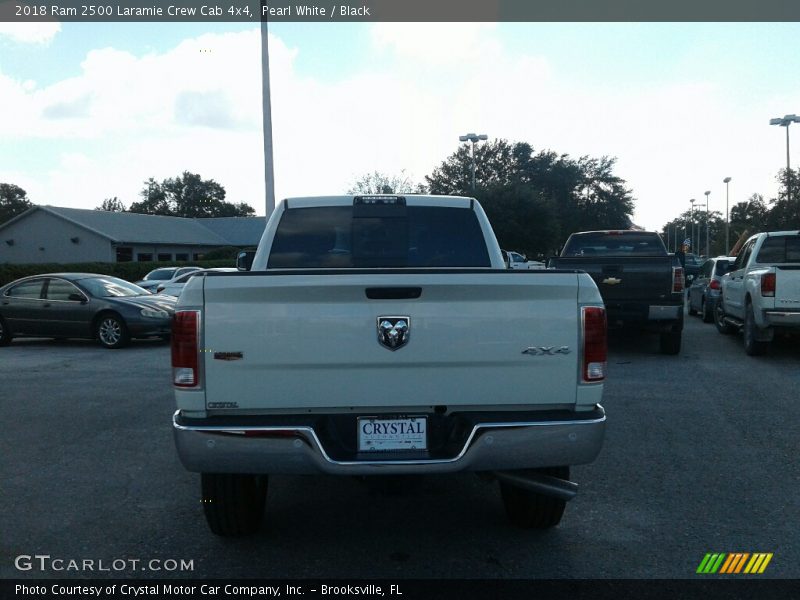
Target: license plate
379	435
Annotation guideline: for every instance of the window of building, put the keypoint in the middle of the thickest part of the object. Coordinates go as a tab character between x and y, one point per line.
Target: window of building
144	257
124	254
198	256
163	257
181	257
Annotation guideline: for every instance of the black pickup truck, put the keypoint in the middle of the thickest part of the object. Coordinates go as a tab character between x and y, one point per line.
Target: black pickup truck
640	282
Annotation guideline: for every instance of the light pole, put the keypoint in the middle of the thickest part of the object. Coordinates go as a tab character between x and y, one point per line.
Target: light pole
726	181
474	138
708	240
691	240
785	122
266	111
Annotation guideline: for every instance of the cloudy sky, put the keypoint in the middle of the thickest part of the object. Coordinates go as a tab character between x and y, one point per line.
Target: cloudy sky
89	111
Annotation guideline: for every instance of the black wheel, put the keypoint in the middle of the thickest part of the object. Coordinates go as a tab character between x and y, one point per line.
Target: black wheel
529	510
706	311
111	332
752	346
5	333
719	319
692	312
670	342
233	503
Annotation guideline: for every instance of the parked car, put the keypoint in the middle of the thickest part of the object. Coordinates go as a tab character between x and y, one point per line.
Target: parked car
515	260
162	274
705	289
82	305
174	286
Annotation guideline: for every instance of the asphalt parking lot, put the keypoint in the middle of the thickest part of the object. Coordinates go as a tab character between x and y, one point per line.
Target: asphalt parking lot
700	456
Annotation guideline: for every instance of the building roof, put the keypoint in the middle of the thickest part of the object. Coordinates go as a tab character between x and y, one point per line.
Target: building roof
134	228
238	231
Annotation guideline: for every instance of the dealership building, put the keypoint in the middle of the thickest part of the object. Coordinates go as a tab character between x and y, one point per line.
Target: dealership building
51	234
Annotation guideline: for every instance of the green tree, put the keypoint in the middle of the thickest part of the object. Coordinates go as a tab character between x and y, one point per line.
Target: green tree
154	200
13	201
748	216
497	162
188	196
677	231
112	205
522	219
381	183
784	212
570	195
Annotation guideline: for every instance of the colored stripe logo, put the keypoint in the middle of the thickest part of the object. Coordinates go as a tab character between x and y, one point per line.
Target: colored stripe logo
734	563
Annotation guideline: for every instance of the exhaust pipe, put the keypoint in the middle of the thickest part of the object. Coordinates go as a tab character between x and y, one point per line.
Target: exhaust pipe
540	484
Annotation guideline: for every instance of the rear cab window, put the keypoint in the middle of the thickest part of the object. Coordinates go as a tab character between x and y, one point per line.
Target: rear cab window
387	235
780	249
614	243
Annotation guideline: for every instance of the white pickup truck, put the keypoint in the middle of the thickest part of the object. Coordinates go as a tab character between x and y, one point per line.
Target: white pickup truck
761	292
380	335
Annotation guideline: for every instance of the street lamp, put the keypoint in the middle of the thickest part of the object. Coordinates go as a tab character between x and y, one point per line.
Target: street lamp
785	122
726	181
708	240
691	235
474	138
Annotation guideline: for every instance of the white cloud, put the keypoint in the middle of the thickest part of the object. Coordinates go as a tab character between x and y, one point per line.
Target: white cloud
30	33
437	44
197	107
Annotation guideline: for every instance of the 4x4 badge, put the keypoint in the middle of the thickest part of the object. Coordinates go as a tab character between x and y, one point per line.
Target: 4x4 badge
393	332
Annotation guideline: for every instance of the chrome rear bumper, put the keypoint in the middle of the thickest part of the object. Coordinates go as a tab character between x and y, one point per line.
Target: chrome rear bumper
782	318
490	446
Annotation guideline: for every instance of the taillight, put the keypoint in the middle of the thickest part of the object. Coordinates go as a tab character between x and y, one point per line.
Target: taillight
677	280
594	343
185	333
768	284
714	285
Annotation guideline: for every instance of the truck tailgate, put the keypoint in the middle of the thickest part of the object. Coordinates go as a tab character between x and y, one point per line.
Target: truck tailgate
627	278
787	287
310	341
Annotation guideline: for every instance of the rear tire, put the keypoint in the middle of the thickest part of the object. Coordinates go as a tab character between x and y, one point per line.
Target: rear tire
670	342
752	346
5	333
719	319
233	503
692	312
708	315
529	510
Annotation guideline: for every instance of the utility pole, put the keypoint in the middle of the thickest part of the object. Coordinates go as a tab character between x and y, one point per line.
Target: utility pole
726	181
708	239
266	110
472	137
785	122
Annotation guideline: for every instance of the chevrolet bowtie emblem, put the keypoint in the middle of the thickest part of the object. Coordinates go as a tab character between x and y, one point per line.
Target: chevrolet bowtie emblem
612	281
